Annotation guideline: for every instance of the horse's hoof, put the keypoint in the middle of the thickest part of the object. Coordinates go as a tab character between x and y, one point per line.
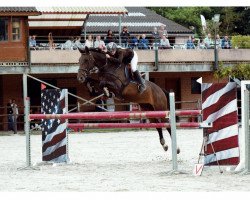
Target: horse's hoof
165	147
178	150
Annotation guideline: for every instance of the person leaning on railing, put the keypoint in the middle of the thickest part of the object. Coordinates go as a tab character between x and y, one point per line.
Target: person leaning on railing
190	44
134	42
125	37
99	43
89	42
32	42
69	44
208	41
143	42
78	43
226	43
164	42
52	45
110	37
155	37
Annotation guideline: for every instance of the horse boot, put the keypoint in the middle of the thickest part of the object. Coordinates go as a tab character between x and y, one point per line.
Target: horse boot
141	81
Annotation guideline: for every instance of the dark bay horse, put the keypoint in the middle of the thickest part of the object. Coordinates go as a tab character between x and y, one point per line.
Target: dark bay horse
116	80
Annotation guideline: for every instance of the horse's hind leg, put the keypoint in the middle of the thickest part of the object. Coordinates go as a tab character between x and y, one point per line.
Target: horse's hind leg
162	140
178	149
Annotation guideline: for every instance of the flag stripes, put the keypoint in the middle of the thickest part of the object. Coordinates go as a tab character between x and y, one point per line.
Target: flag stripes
219	105
224	122
223	133
226	157
54	138
208	91
225	99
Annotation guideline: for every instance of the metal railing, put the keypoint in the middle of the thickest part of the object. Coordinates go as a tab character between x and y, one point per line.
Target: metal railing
42	43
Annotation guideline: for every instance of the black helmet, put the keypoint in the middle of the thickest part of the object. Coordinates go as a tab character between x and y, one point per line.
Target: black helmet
111	47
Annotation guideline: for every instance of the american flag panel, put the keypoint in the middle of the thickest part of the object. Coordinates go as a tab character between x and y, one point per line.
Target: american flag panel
219	106
54	139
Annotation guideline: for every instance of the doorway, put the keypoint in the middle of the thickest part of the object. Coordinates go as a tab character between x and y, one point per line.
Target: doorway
173	85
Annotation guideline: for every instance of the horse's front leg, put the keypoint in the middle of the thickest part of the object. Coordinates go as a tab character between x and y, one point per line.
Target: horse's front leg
169	131
162	140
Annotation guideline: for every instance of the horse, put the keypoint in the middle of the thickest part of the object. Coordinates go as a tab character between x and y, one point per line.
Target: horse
118	82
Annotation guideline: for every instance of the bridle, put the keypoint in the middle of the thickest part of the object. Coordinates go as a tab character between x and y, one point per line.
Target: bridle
86	71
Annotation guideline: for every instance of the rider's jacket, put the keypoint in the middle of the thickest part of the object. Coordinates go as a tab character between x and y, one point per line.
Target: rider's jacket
122	56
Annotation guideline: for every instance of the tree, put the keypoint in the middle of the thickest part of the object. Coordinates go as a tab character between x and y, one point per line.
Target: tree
240	71
234	20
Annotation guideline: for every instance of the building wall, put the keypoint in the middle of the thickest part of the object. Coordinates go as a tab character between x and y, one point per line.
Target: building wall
14	51
185	84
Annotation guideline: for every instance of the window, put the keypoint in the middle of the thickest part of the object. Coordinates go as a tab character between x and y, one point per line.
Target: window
195	87
3	29
16	29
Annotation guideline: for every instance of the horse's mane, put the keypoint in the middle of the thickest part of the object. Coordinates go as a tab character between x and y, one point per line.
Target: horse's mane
97	50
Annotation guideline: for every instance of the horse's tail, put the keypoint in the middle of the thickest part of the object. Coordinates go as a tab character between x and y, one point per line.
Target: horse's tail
167	95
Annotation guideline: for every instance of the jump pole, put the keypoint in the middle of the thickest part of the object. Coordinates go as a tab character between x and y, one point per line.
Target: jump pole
116	115
26	100
173	132
131	125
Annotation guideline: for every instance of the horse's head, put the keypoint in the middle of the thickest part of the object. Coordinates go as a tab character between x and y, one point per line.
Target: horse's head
87	63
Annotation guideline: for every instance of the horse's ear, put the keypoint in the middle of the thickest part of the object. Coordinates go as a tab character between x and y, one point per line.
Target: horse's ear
81	50
86	50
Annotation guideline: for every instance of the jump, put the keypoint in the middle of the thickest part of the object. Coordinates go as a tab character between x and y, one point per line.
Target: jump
116	79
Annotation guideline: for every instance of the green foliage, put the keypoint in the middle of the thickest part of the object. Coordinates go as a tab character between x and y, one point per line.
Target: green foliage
240	41
234	20
241	71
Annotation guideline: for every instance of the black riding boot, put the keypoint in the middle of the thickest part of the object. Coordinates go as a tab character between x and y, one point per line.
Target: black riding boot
141	81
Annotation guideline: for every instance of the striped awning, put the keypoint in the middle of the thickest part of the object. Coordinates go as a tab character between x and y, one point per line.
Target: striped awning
84	10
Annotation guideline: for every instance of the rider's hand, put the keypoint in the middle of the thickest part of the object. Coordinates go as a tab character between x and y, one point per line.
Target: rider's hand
107	56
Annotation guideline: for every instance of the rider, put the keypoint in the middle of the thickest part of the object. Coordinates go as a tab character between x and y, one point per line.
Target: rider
126	56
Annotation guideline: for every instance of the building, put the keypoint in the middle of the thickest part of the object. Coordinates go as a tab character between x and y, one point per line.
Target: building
139	20
176	70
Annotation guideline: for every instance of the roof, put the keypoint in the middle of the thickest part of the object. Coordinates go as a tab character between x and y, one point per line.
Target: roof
57	20
138	20
83	10
12	11
69	16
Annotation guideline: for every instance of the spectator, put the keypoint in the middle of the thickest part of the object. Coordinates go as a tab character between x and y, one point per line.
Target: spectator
190	44
202	45
89	42
125	37
208	41
162	31
78	43
226	43
10	116
218	41
69	44
143	42
99	43
32	42
164	43
110	37
134	42
155	37
15	115
51	41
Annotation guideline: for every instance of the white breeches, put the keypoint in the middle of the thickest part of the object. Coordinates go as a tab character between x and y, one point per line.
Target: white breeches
134	62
